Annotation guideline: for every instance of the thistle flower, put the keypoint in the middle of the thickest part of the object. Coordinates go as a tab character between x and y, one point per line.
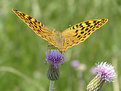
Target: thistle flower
105	72
54	58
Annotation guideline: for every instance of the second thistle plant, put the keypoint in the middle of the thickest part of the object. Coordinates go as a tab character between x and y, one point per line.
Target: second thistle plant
105	72
54	58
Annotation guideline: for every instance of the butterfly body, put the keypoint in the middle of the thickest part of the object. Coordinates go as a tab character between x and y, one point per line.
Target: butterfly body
66	39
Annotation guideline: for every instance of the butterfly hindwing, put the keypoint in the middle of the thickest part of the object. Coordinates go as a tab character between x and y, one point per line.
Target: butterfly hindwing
81	31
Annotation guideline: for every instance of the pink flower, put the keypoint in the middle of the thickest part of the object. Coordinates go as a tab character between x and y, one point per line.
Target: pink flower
106	71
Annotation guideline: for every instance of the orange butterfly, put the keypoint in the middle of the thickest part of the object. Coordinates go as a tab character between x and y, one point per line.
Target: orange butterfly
69	37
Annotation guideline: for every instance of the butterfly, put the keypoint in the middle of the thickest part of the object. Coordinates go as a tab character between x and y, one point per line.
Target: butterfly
66	39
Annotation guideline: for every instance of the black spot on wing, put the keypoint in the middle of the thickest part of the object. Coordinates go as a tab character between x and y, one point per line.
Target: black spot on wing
82	28
78	36
80	25
36	26
29	17
39	30
76	31
94	21
86	29
31	22
91	26
23	14
98	22
75	35
84	37
76	26
40	27
35	20
20	14
87	23
82	32
41	24
38	22
89	30
95	24
85	33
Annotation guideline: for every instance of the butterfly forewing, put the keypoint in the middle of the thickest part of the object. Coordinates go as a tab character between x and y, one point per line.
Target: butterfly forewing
81	31
36	26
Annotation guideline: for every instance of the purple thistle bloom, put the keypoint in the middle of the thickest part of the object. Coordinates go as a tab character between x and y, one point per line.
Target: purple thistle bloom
54	57
105	71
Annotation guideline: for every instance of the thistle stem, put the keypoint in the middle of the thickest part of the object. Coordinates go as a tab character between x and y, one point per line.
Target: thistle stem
51	88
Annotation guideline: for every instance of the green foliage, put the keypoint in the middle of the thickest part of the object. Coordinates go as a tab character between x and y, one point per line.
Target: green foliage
22	52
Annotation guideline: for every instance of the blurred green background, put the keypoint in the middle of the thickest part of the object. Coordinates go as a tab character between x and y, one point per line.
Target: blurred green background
22	52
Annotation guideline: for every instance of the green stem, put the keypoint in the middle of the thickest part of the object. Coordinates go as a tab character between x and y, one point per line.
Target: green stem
51	88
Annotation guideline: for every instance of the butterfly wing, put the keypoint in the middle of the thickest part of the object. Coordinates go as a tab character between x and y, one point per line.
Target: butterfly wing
80	32
36	26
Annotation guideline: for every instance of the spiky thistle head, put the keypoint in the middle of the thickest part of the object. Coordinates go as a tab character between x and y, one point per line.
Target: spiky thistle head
105	72
54	58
